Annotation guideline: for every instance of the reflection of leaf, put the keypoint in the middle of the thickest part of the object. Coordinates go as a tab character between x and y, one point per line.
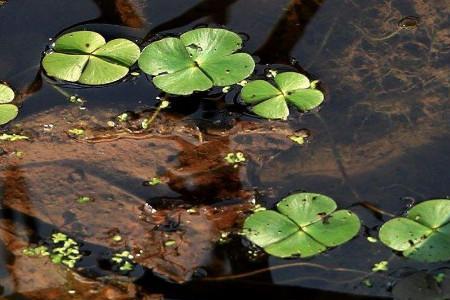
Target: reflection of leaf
85	57
424	234
7	111
271	101
306	224
197	61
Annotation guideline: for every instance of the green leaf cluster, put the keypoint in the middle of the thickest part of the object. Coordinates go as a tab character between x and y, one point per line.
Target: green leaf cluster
195	61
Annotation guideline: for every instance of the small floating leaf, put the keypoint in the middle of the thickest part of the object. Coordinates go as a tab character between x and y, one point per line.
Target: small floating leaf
154	181
84	199
305	224
271	101
440	277
424	234
85	57
76	131
235	158
371	239
381	266
117	238
12	137
8	112
196	61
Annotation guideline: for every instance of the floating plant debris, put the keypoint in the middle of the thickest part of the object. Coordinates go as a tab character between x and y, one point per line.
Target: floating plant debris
235	158
13	137
61	250
123	261
381	266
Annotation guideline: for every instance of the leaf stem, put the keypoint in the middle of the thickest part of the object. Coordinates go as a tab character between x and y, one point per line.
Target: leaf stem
164	103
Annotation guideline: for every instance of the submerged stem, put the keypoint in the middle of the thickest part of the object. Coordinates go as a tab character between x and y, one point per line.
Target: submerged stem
165	103
284	266
61	91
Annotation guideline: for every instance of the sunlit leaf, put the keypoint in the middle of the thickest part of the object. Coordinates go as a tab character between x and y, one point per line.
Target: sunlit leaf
290	88
197	61
6	94
424	234
85	57
305	224
8	112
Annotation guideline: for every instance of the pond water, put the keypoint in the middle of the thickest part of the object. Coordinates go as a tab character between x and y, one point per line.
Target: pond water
378	145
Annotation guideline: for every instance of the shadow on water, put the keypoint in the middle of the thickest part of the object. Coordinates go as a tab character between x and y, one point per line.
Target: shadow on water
119	12
288	31
215	11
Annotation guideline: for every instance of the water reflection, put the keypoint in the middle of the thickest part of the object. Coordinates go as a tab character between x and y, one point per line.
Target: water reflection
215	11
386	114
120	12
288	31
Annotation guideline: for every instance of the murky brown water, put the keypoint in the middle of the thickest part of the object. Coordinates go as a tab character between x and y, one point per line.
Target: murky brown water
379	143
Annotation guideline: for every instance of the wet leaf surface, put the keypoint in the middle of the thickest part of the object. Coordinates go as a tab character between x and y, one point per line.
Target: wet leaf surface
306	224
197	61
424	234
271	102
85	57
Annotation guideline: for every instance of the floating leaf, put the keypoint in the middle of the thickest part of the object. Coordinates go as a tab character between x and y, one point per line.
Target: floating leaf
85	57
8	112
306	224
196	61
382	266
271	101
424	234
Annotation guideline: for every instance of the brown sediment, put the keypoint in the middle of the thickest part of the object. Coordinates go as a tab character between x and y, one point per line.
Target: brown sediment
27	277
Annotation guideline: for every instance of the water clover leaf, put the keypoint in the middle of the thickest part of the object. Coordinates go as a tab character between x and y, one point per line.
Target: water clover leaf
8	112
305	224
196	61
271	101
423	234
6	94
85	57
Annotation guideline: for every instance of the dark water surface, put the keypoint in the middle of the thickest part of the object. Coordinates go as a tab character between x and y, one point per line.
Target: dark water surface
379	144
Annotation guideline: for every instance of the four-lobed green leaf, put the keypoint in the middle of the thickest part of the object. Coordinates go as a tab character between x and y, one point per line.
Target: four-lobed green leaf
8	111
423	234
306	224
271	101
85	57
196	61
